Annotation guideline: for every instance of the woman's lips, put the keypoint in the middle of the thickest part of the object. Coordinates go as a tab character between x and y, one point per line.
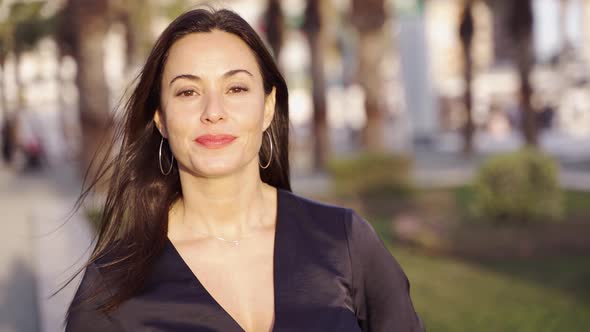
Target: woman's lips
215	141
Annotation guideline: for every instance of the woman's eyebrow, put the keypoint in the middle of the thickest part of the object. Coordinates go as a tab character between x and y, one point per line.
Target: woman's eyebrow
185	76
197	78
236	71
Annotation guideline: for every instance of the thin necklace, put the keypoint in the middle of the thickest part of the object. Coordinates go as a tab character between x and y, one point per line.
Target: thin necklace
234	243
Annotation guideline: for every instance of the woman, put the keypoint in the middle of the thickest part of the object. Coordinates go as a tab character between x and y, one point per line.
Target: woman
200	231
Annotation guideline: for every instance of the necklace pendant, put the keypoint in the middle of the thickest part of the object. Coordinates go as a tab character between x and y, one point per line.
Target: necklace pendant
234	243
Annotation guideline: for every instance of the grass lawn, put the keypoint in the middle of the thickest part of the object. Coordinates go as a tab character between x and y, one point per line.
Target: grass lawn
534	295
449	294
577	205
452	295
513	295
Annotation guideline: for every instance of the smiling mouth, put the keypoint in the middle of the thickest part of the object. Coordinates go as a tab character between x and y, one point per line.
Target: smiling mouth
215	141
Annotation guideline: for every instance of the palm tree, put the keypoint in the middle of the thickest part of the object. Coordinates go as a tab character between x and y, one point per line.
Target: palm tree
368	17
84	25
6	46
20	31
313	27
27	26
563	4
136	16
520	23
275	21
83	29
8	125
466	31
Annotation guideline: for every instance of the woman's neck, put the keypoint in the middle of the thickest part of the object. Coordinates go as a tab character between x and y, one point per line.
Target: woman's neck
230	207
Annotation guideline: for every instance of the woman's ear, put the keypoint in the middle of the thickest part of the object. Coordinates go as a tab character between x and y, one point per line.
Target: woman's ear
269	108
160	123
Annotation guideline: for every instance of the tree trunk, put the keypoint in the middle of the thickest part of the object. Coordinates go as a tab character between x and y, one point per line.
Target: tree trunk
20	94
563	27
136	16
312	27
90	23
8	124
529	124
501	31
274	26
466	31
368	18
521	26
70	130
3	101
370	52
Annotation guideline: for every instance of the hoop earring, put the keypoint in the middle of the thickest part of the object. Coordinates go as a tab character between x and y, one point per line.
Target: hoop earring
270	157
160	160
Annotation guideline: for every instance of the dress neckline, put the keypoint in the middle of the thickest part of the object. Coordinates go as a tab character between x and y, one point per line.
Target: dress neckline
277	267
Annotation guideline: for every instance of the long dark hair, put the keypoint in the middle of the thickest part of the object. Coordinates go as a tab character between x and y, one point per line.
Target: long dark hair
134	219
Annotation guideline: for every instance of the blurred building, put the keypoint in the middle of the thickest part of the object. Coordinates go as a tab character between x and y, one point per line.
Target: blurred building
422	69
561	35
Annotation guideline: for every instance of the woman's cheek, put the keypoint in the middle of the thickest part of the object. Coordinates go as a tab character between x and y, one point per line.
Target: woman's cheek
177	133
250	114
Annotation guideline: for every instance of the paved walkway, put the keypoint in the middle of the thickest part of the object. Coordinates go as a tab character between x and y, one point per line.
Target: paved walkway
37	252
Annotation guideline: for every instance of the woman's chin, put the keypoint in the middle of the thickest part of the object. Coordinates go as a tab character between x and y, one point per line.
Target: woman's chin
215	168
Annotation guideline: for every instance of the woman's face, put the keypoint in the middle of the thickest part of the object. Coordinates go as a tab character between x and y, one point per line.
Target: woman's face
213	106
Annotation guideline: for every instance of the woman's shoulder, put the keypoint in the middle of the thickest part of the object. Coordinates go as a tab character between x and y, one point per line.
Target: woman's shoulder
319	213
93	286
327	214
313	208
85	312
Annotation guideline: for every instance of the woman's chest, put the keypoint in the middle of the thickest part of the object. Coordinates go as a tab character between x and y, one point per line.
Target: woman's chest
177	307
240	281
314	296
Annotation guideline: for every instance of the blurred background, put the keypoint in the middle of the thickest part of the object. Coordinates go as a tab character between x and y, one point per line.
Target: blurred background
459	128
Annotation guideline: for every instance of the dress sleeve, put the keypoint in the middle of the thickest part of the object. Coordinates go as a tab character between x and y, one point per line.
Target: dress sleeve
83	315
381	290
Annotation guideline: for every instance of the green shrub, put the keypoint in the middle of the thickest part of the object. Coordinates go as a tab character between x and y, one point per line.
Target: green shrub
518	187
380	181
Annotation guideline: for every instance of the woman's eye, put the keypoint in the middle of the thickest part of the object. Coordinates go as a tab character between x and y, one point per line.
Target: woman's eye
237	89
186	93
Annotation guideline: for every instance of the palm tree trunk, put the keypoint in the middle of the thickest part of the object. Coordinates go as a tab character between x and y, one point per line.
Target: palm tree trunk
3	101
312	27
521	26
135	15
274	26
529	124
69	129
368	17
370	51
90	25
563	26
466	35
20	97
7	129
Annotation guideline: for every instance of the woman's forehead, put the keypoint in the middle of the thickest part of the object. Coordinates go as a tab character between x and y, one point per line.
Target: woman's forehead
210	54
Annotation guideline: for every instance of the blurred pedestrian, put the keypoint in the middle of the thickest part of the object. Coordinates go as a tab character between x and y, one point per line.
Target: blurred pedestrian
28	141
8	138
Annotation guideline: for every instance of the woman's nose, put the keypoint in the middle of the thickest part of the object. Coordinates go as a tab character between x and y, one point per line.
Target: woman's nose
213	111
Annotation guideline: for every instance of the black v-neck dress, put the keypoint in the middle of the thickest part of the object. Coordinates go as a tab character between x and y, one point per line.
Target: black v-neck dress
331	273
